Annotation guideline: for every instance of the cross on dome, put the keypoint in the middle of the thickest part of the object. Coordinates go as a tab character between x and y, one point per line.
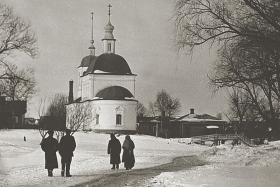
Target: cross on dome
109	12
91	47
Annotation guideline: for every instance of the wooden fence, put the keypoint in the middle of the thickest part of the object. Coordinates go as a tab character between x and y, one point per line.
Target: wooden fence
220	137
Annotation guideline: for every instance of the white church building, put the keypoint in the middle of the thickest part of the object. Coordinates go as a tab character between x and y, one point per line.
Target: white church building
107	85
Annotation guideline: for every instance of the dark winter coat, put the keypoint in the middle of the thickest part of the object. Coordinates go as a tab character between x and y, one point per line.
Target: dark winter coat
50	145
114	149
128	155
67	146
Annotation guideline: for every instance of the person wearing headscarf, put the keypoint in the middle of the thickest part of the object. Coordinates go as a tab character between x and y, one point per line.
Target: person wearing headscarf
114	149
128	155
67	146
50	145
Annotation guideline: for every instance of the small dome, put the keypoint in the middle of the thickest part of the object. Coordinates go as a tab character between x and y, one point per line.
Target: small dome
114	93
109	32
110	63
87	60
109	27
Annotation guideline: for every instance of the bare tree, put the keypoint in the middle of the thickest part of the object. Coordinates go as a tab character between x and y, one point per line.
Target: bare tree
239	103
18	84
57	106
222	22
253	70
79	116
166	105
15	36
141	110
152	109
53	117
41	111
42	105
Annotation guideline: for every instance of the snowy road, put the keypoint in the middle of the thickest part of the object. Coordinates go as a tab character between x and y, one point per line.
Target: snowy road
240	166
139	177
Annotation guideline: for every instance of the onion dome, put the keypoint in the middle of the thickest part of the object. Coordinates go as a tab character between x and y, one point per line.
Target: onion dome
87	61
110	63
109	28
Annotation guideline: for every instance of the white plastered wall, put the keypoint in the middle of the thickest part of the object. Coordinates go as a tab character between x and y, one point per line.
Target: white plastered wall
108	109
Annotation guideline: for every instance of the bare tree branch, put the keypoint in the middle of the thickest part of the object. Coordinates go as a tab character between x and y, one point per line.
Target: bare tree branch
79	116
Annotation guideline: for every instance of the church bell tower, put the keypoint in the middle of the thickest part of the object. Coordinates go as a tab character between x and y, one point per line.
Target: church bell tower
109	40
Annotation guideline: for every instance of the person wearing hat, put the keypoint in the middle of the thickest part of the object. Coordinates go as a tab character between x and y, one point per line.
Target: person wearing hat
114	149
67	146
50	145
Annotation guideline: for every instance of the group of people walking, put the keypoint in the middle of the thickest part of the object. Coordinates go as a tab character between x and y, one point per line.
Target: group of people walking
67	146
114	149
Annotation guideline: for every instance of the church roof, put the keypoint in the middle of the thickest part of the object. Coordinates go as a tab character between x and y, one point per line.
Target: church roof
109	63
114	93
87	60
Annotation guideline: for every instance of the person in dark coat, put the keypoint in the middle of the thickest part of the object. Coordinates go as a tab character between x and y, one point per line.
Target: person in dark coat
128	155
50	145
67	146
114	149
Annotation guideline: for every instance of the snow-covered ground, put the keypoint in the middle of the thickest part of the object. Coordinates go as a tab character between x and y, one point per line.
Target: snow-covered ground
229	166
22	163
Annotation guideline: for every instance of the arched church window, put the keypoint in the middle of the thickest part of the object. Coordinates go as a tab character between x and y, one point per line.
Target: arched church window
97	115
109	47
118	119
119	115
97	119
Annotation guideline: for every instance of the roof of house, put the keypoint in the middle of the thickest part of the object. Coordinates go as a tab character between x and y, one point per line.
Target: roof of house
198	118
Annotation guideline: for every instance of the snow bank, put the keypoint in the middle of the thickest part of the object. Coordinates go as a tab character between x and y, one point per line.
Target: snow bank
264	155
229	166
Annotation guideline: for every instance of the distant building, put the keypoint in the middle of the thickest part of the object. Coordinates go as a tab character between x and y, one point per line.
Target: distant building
107	84
52	123
12	113
182	127
194	124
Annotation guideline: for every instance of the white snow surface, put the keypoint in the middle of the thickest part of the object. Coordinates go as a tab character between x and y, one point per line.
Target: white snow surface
229	166
22	163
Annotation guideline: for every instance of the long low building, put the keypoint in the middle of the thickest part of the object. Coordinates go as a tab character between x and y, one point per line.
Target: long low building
182	127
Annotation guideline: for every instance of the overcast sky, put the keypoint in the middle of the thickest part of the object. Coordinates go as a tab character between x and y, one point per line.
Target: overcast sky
145	35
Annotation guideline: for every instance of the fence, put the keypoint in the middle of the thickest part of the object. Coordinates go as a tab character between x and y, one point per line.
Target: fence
219	137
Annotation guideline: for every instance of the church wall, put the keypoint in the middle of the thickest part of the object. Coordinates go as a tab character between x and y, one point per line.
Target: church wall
104	81
107	111
87	87
81	70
